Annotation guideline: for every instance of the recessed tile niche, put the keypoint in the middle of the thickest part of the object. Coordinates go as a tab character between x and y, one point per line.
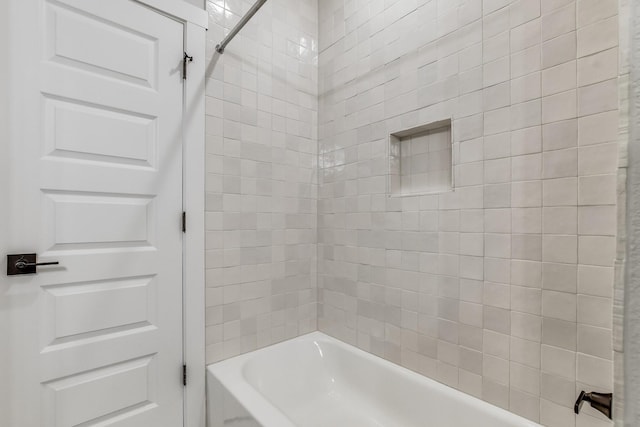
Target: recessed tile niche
420	160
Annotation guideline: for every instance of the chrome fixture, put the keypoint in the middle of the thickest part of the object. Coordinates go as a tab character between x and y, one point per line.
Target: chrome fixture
223	44
599	401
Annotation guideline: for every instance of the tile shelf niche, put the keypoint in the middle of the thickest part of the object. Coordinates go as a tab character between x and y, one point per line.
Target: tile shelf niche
420	160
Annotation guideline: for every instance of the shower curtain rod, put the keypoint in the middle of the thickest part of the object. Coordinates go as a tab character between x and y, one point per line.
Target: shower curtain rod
223	44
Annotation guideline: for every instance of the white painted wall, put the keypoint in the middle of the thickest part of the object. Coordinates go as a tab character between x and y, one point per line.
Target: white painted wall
632	286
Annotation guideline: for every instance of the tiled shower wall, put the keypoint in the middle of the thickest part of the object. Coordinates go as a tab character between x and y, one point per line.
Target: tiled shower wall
502	288
261	204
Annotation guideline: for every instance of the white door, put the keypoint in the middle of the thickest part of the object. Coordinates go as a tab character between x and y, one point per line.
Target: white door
97	186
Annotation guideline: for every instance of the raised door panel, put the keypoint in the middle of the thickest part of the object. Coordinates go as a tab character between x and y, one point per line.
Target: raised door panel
105	47
97	397
106	135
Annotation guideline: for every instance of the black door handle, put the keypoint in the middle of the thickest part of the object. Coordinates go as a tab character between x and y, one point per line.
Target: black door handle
22	264
25	264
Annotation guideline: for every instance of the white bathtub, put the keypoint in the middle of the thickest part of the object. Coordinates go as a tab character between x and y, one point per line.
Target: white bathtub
318	381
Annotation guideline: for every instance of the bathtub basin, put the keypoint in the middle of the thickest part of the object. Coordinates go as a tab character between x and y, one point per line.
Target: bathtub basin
317	381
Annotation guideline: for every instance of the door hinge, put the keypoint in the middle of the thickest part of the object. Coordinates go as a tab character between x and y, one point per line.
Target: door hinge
184	222
185	60
184	375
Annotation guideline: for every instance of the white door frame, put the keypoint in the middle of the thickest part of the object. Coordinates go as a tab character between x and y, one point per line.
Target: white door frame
195	22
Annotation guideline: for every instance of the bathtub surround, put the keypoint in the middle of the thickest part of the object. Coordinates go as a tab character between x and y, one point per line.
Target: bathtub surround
503	287
262	176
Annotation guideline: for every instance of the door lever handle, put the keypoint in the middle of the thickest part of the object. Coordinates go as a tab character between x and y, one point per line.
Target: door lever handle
25	264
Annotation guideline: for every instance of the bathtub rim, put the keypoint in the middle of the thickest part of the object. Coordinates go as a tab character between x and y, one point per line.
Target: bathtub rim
230	373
